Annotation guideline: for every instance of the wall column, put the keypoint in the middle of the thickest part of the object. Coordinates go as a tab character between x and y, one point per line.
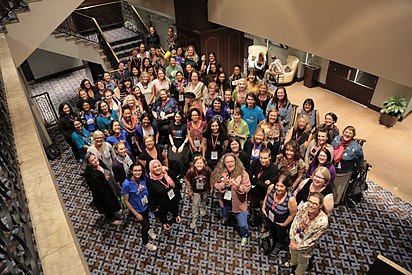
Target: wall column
193	28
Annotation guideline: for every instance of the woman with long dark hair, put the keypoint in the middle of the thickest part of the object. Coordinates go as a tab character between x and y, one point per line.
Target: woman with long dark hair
136	198
66	127
214	142
280	103
105	117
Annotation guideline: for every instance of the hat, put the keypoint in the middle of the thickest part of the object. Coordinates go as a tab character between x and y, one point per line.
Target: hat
190	95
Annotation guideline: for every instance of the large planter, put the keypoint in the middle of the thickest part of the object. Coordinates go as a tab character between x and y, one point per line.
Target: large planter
387	120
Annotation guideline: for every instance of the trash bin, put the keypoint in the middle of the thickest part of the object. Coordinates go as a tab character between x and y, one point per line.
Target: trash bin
311	73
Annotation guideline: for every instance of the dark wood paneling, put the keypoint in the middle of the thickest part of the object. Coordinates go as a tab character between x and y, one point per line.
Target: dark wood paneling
349	89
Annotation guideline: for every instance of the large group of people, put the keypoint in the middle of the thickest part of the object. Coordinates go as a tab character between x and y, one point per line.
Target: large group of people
166	122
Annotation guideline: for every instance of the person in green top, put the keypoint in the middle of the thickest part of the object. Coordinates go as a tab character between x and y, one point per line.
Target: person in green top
173	68
237	127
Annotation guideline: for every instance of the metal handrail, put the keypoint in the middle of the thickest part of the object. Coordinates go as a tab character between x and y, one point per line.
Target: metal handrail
102	35
68	27
140	18
98	5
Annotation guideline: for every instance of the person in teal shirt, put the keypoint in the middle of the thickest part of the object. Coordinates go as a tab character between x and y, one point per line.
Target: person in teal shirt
252	114
81	137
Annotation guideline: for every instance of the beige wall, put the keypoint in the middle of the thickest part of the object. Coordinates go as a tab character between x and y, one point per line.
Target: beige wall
386	88
35	26
371	35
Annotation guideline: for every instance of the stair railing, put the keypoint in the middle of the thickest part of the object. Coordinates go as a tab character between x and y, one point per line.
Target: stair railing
68	27
104	43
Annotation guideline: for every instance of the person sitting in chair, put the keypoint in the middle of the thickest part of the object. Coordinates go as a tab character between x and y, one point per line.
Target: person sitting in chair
275	69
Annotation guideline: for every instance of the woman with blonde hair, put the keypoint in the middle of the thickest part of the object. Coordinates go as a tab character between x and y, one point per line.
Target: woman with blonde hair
273	131
254	145
240	92
191	57
133	105
263	96
233	184
101	149
301	133
146	87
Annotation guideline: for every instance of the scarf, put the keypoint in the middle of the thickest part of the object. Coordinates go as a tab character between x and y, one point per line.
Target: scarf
340	149
130	128
126	161
162	175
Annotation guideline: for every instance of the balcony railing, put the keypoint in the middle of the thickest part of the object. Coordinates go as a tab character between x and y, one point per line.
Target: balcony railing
18	254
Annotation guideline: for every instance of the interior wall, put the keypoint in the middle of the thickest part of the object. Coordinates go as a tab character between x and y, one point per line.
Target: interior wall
386	88
55	63
371	35
164	8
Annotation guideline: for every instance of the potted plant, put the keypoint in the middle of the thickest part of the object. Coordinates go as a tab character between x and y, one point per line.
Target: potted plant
392	109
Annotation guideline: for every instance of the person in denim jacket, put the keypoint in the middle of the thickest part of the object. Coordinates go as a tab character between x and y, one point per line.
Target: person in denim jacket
348	153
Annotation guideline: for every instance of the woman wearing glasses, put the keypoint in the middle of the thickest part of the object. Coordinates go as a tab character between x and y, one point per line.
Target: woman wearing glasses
233	184
318	182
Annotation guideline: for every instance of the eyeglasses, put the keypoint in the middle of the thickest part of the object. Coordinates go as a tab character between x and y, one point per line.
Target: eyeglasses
313	203
317	178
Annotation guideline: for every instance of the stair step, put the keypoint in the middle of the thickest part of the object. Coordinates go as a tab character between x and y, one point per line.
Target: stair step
126	40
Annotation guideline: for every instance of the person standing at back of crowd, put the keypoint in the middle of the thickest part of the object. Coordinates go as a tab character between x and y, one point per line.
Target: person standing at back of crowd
192	58
153	39
136	198
134	61
198	186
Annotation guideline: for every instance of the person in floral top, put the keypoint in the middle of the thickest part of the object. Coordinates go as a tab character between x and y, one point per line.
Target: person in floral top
307	227
290	163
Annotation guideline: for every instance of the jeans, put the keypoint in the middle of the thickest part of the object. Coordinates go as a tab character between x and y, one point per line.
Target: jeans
241	218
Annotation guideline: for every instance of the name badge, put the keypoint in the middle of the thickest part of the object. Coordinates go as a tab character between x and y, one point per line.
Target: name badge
196	142
199	185
181	97
144	200
228	195
271	216
214	155
162	114
171	194
339	165
133	140
234	83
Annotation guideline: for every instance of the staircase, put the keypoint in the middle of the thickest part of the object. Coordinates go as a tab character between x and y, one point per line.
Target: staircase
123	41
30	29
76	47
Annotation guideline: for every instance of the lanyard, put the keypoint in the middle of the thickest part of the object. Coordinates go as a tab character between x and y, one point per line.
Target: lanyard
214	142
138	186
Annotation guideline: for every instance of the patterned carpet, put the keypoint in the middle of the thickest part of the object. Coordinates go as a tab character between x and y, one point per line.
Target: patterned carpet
381	223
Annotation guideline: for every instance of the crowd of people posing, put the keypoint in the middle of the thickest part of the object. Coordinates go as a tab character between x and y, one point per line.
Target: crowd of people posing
151	132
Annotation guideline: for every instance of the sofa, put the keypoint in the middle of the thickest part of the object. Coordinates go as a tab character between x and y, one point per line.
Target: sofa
290	70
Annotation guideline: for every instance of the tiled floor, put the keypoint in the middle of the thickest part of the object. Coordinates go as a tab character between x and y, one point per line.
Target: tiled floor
382	223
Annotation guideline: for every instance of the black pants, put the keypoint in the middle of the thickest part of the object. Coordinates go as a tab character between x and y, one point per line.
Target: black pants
163	210
76	152
145	226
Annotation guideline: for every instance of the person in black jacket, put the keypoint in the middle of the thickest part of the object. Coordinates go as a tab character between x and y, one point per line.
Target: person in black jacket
262	173
66	127
104	190
163	193
153	39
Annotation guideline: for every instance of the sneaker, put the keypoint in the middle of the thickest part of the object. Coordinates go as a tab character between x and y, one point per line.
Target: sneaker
152	235
243	242
150	247
193	224
202	212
